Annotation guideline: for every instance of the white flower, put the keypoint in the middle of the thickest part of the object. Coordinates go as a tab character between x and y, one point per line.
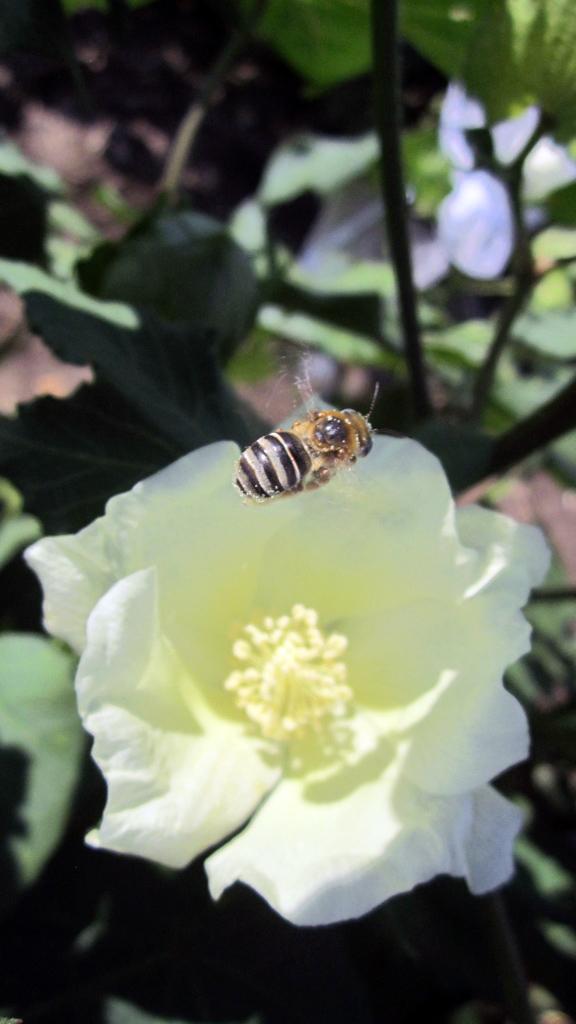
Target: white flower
475	220
548	167
459	114
322	673
475	225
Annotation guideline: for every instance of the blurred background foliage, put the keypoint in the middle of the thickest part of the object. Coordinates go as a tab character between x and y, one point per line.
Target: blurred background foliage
191	222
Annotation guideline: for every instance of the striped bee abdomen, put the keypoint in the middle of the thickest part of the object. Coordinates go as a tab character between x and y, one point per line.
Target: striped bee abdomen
275	464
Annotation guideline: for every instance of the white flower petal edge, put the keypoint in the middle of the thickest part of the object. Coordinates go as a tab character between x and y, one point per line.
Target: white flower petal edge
74	573
319	861
459	113
75	570
511	136
547	168
179	778
487	726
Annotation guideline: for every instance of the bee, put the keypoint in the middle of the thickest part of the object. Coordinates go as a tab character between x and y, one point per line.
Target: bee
304	457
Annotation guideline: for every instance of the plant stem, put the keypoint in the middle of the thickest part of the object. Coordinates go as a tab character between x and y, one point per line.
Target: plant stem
509	312
387	96
508	960
523	282
181	147
553	419
553	594
524	278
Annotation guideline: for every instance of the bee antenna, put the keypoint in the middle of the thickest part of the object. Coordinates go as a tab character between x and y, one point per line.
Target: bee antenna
374	398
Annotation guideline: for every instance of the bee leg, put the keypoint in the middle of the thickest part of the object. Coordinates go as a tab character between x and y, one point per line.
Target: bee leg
320	476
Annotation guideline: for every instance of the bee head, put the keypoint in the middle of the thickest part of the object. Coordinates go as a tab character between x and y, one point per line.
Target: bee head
361	430
331	431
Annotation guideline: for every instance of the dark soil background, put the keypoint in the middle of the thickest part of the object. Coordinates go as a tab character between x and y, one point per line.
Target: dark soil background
141	74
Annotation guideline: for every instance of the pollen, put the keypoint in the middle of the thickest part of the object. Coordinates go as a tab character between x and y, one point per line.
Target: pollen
290	677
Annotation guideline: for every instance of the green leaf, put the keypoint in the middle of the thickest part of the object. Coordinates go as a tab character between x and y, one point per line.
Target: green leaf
184	267
465	344
253	361
248	227
15	534
159	395
548	877
67	457
555	243
326	41
16	530
165	371
14	163
342	276
561	206
442	29
66	219
345	346
339	275
10	500
24	278
72	6
309	163
359	312
519	395
346	334
38	716
551	334
561	937
427	170
118	1011
70	238
532	44
553	291
464	452
561	457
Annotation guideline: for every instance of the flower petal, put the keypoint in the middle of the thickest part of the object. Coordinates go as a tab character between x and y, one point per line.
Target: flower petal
326	856
459	113
475	225
486	725
512	135
74	572
511	556
193	503
489	844
179	779
41	732
548	167
76	569
376	537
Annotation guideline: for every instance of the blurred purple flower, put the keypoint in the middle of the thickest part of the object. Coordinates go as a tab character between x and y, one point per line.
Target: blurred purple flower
475	224
475	220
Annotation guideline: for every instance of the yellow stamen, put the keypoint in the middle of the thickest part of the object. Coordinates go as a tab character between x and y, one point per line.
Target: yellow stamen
291	678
